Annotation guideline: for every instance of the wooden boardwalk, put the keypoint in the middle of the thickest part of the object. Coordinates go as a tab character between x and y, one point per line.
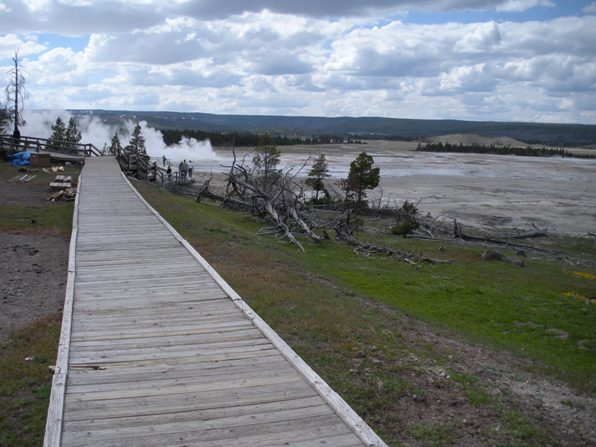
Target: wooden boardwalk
157	350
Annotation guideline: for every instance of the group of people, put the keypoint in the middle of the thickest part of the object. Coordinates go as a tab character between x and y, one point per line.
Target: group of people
184	168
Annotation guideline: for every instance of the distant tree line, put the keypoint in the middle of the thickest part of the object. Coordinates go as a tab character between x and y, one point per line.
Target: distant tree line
498	150
248	139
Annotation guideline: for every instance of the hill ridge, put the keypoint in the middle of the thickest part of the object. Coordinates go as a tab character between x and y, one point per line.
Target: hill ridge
555	134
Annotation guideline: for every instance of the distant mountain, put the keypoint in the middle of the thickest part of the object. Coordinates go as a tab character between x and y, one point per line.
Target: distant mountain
364	127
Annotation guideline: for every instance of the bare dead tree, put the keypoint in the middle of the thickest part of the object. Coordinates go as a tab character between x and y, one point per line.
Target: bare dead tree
15	95
272	194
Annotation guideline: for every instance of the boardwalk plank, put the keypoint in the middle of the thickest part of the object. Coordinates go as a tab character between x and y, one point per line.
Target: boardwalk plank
239	422
231	433
192	415
176	403
124	374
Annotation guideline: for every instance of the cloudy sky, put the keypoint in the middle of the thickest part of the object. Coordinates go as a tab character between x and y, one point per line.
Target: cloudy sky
503	60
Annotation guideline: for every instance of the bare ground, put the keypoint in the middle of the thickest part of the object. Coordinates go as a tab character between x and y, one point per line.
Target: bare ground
33	262
34	268
567	415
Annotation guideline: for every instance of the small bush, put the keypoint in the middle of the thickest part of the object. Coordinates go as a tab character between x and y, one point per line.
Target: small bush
406	220
405	227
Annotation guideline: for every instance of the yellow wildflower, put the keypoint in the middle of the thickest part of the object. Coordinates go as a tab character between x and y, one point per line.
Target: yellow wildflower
585	275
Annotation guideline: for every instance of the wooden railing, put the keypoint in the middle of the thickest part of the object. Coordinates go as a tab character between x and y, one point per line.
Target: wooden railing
133	164
142	168
11	145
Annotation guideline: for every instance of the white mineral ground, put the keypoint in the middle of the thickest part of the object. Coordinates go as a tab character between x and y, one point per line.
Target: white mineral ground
488	191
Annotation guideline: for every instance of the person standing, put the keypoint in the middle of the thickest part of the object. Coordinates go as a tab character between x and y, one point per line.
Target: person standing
164	160
190	167
181	170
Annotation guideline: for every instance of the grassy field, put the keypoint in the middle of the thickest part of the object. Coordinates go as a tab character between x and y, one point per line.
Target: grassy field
346	315
26	381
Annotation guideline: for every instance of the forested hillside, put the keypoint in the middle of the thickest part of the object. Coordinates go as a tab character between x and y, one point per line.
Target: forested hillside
357	127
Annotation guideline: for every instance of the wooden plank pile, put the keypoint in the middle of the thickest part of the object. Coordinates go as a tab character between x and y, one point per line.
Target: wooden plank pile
66	195
22	178
62	182
66	192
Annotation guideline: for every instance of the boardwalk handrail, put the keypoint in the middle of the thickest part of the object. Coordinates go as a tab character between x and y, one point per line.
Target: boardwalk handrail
133	163
142	168
43	144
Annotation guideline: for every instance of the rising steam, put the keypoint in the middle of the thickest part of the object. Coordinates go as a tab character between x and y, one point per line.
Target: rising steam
94	131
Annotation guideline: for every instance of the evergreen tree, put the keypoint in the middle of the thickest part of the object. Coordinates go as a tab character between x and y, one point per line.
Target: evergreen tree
4	119
73	134
362	176
58	133
136	143
317	175
115	146
265	161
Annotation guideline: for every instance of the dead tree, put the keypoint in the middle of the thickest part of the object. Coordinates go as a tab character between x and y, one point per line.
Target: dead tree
344	226
273	194
15	96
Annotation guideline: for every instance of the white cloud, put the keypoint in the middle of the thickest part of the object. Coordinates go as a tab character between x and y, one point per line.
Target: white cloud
590	9
266	61
523	5
481	38
26	46
37	5
466	79
76	17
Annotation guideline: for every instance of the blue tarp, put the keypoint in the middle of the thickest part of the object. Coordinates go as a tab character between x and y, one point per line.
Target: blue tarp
20	159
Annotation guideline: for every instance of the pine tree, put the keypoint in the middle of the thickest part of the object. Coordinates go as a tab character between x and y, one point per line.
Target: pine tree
73	134
362	176
317	175
58	133
115	146
136	143
4	119
265	161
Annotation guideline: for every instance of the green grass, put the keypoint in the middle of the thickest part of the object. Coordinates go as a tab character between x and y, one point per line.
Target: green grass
521	310
322	303
435	435
56	219
25	382
46	217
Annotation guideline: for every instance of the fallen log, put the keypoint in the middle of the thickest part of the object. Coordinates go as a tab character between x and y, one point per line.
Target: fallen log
528	234
342	229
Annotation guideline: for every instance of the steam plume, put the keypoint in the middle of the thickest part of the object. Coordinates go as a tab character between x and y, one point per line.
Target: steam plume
94	131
